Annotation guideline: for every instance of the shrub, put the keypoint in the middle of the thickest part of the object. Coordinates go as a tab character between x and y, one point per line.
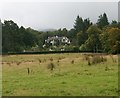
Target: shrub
76	48
82	47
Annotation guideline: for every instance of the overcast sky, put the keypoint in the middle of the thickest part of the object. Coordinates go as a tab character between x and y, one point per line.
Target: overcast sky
43	15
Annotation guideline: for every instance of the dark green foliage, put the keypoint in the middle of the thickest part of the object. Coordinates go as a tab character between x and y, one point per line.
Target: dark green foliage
71	34
81	27
15	39
93	43
87	24
85	36
102	21
9	36
79	24
75	48
81	38
111	40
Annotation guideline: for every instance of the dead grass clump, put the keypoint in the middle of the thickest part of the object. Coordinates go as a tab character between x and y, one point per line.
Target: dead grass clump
72	62
58	61
103	59
44	60
32	60
39	61
89	63
113	59
28	71
18	63
94	58
51	59
61	58
98	59
86	57
51	66
9	63
106	68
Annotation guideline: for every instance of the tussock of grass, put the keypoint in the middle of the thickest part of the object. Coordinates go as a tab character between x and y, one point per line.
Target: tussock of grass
72	62
39	61
98	59
51	66
94	59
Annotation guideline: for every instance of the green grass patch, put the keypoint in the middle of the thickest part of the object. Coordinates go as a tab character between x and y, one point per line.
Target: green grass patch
66	79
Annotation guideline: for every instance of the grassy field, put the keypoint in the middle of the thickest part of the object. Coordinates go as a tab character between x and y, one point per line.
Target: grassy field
28	75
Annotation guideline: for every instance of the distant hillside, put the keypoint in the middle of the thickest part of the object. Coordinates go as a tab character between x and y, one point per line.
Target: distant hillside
46	30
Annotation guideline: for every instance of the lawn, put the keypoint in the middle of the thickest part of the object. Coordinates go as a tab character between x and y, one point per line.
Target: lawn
28	75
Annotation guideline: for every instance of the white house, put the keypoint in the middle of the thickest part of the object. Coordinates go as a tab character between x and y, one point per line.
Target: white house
56	40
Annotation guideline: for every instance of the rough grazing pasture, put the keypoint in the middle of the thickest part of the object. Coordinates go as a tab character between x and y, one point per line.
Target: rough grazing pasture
70	75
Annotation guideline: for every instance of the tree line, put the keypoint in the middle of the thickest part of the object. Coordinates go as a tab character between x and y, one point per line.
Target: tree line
84	36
